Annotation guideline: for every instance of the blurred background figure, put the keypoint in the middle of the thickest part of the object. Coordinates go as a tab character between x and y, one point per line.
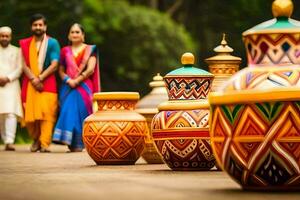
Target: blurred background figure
79	72
10	71
39	93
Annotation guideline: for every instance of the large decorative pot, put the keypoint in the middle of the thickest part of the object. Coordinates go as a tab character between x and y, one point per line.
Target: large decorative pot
115	134
147	106
180	130
255	117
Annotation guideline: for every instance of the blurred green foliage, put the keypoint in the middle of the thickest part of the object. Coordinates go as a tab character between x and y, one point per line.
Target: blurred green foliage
207	20
134	43
22	136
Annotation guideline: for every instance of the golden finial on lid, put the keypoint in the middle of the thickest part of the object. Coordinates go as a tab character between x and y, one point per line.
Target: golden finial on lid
188	59
282	8
223	48
158	81
158	77
223	52
224	42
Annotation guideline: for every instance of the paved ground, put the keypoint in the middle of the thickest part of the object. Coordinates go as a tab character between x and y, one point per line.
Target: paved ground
61	175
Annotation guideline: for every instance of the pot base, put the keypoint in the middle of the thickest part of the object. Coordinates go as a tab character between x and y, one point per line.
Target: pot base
151	155
190	169
271	188
191	166
186	154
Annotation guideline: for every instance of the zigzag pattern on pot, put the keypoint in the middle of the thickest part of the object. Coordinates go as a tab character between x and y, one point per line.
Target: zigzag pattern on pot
279	49
258	144
118	140
265	79
180	151
188	88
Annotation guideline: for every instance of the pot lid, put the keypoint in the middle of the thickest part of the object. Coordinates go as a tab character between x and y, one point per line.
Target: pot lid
223	52
188	69
282	23
148	104
158	81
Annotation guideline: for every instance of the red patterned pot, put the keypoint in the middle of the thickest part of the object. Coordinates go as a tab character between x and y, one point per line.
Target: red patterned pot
115	134
181	134
180	130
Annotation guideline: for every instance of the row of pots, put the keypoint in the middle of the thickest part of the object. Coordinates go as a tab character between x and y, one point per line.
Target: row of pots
250	125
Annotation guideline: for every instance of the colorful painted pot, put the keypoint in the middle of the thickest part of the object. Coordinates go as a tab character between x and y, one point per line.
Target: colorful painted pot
181	134
115	134
256	137
274	42
255	117
180	130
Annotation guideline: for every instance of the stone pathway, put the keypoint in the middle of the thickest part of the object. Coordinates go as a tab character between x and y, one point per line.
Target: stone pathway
60	175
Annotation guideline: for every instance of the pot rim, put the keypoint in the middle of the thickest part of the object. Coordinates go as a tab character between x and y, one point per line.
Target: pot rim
184	105
254	96
271	31
189	76
116	96
147	110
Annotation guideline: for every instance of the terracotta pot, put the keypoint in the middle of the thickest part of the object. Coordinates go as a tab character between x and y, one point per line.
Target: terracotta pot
255	117
115	134
181	134
180	130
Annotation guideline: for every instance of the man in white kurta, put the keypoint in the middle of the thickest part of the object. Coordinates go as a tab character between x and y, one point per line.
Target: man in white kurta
10	95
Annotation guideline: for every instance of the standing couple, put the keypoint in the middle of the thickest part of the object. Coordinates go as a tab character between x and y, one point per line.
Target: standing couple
78	69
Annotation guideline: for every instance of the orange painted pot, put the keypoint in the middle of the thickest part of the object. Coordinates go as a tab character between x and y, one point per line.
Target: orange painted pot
115	134
255	137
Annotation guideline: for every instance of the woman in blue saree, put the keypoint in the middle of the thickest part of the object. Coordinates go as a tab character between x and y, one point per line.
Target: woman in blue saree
80	74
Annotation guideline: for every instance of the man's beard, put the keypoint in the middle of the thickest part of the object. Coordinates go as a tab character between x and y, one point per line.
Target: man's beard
4	43
38	33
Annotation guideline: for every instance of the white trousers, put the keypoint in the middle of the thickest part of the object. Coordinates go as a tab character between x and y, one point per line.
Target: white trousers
8	127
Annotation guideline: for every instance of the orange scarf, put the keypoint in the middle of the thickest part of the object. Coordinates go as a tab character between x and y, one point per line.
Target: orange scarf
39	105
